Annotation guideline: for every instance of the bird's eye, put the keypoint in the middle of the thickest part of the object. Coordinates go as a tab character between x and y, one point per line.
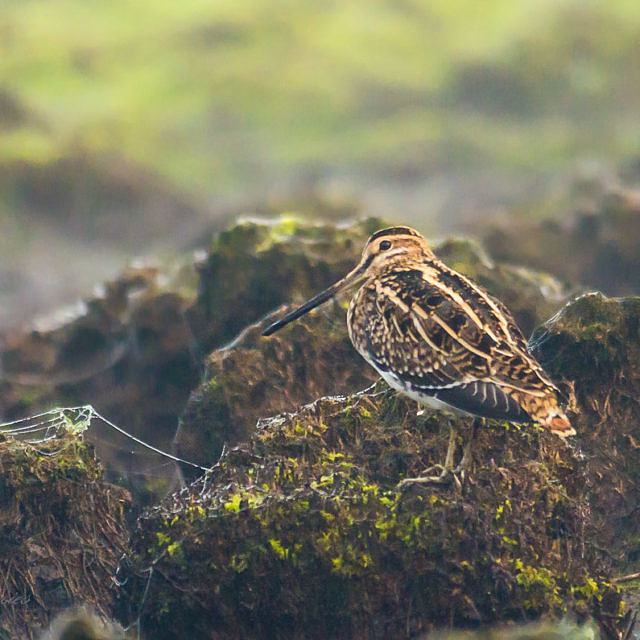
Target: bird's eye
384	245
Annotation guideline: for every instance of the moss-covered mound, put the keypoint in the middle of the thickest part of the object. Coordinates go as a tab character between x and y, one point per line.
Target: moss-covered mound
258	265
302	532
256	377
599	246
62	531
253	377
127	353
593	345
135	351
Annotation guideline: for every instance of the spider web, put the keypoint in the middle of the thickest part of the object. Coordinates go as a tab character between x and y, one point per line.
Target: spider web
142	459
133	456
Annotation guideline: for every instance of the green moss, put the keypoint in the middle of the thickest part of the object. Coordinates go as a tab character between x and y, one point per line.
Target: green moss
63	531
592	346
540	588
292	515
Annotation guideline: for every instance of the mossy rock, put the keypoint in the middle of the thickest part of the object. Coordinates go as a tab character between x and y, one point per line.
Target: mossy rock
258	265
254	377
303	533
592	346
63	531
127	351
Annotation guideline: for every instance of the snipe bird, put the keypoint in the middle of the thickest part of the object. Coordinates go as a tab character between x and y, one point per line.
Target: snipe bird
441	339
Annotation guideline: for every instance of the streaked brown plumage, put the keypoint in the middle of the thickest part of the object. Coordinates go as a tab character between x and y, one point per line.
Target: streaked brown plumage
439	337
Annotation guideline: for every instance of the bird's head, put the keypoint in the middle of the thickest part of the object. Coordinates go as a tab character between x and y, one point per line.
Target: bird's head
384	249
389	247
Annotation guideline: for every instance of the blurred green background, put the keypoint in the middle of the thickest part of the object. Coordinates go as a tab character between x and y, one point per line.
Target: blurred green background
131	127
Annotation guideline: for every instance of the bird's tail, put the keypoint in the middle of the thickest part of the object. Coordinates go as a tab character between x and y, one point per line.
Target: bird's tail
559	424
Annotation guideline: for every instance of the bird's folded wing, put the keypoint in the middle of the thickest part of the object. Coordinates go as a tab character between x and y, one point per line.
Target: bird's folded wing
435	346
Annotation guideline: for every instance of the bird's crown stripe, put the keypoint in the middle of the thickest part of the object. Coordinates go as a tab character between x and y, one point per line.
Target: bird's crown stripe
394	231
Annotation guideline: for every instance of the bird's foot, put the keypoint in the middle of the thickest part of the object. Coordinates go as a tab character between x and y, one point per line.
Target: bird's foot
460	472
446	477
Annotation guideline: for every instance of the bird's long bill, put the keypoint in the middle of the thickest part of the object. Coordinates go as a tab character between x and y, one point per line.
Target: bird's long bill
316	301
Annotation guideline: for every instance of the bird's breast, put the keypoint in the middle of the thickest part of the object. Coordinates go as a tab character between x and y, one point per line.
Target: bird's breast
361	307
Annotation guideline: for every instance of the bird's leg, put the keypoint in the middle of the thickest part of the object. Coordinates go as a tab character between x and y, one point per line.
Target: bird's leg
466	456
447	473
451	449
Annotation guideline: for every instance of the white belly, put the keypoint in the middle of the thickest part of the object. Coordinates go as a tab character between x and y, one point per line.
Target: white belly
428	401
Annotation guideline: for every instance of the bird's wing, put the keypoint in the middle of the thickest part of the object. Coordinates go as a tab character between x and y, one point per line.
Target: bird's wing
436	345
511	361
426	330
